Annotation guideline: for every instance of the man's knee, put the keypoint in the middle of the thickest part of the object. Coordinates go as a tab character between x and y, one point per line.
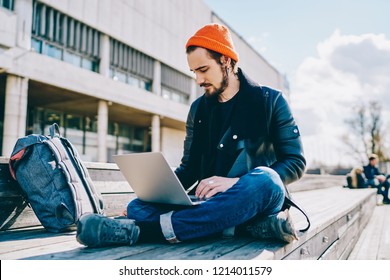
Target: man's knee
264	180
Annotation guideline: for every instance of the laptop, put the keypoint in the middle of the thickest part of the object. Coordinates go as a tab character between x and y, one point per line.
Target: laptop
153	180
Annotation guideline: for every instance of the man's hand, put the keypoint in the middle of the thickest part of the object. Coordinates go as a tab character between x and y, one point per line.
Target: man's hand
211	186
381	178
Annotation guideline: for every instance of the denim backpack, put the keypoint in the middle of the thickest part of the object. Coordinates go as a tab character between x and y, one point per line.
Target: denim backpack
54	180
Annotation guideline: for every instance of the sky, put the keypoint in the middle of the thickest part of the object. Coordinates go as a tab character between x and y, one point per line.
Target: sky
336	55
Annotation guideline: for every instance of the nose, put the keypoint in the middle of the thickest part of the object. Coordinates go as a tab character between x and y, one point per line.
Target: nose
199	79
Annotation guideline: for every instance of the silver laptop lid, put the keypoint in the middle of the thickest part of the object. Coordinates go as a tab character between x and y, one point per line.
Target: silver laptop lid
152	179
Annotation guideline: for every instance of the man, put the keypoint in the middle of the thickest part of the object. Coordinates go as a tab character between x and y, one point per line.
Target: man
242	145
376	179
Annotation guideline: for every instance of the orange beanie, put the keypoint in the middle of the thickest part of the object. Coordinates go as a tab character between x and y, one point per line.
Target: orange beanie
215	37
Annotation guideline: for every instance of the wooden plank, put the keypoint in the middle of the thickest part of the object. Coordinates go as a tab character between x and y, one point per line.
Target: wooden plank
257	249
80	252
210	251
34	242
101	165
171	251
313	248
18	215
384	249
326	206
45	248
4	160
374	241
343	244
311	182
110	187
350	232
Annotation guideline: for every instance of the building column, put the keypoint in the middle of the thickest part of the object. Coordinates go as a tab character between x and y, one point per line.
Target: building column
15	112
156	132
23	9
104	66
102	130
157	78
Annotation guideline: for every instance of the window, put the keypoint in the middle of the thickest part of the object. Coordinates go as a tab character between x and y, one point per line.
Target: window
8	4
174	95
175	85
64	38
52	51
130	66
36	45
124	138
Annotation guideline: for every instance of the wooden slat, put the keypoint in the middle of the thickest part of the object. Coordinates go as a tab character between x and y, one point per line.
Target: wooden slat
258	249
23	216
202	250
112	187
311	182
35	244
374	242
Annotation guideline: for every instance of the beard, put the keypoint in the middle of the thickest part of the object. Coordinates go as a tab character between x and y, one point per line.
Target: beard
215	92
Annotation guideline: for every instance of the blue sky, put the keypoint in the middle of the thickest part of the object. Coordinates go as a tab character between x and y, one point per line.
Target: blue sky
287	31
336	54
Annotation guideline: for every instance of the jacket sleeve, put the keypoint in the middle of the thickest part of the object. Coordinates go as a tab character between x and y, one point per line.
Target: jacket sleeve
188	171
290	163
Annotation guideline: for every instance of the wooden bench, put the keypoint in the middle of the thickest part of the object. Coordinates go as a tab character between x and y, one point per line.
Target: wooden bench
338	216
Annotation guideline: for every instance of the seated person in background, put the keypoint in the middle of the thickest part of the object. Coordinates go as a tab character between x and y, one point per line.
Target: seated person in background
356	178
377	179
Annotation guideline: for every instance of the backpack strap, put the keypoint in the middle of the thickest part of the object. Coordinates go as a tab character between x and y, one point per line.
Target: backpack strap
54	130
71	175
94	196
289	202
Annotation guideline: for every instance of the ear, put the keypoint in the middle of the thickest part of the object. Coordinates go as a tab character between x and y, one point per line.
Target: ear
225	60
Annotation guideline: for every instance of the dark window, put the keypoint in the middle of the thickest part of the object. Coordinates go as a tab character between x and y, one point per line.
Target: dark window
64	38
8	4
130	66
175	85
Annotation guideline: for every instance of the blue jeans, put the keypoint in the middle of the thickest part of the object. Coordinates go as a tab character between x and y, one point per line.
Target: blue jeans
259	192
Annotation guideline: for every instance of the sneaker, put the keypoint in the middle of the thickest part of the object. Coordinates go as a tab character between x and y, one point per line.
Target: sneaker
386	201
278	226
95	230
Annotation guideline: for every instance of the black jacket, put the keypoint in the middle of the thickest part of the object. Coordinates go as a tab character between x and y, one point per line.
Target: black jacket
262	133
371	171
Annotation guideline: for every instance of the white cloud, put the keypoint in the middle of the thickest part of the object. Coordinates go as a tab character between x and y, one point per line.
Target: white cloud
259	42
348	69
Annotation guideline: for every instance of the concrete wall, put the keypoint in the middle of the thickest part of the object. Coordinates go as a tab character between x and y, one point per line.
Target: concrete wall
7	28
172	141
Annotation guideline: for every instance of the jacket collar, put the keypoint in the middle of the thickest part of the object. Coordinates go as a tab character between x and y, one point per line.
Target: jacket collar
248	119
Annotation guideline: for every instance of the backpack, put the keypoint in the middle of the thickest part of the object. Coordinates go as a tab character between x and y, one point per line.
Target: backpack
54	180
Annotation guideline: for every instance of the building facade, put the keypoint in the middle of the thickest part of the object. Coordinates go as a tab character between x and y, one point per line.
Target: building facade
112	73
